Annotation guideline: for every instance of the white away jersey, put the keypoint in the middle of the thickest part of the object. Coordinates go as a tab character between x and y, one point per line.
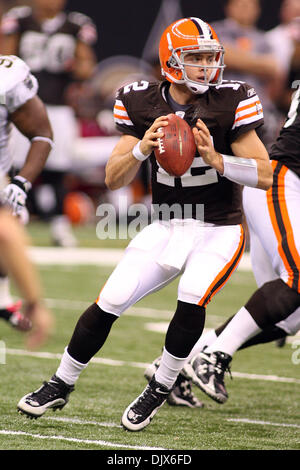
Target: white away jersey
17	85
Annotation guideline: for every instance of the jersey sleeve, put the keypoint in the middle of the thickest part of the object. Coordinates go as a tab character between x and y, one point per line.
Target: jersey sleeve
248	112
122	119
87	31
10	23
22	92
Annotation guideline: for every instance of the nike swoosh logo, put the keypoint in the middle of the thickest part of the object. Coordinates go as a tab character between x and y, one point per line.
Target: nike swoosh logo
158	390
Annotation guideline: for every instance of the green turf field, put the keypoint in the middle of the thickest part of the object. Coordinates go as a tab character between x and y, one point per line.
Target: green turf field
262	411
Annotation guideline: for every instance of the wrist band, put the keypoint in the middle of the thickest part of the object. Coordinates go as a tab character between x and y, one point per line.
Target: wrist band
240	170
137	153
25	184
43	139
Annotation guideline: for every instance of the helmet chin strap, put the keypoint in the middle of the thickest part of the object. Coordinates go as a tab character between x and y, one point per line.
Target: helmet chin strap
194	87
197	89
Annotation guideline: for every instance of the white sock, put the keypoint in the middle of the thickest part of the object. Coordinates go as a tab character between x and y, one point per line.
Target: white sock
169	368
69	369
204	340
241	328
5	296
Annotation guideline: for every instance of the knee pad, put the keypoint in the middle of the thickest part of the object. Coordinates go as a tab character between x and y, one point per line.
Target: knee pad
190	290
272	303
119	290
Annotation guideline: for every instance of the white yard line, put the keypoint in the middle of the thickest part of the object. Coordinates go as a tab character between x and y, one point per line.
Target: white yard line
271	378
77	441
82	422
132	311
142	312
95	256
95	360
263	423
77	256
143	365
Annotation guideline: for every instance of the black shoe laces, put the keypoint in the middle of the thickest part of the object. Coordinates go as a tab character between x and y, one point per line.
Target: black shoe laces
49	390
147	400
222	367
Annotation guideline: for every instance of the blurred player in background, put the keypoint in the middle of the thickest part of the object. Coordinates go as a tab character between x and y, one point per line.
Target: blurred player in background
284	41
203	252
57	46
20	105
13	255
273	311
250	58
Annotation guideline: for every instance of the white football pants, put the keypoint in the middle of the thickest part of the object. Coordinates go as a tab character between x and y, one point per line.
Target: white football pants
204	256
274	227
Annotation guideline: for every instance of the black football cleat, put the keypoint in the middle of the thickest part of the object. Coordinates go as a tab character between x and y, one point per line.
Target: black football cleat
53	394
206	370
281	342
141	411
182	394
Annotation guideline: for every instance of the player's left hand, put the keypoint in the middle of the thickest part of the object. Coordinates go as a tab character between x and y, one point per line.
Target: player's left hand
15	194
205	146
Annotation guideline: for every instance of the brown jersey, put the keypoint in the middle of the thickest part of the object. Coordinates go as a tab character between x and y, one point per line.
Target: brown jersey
228	110
287	146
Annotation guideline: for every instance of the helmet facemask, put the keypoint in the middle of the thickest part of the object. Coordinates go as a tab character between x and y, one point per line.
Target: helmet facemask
177	61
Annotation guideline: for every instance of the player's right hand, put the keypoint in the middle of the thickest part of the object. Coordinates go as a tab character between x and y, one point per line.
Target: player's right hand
149	141
15	194
43	324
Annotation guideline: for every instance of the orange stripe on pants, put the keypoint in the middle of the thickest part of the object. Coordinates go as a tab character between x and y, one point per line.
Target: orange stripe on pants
225	274
282	225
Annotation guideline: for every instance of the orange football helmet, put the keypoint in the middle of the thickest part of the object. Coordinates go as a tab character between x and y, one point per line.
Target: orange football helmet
190	35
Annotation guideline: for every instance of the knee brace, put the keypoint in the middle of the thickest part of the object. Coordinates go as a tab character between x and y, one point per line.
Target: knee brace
272	302
185	329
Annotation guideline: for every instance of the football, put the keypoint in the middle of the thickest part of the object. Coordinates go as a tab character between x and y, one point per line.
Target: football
177	147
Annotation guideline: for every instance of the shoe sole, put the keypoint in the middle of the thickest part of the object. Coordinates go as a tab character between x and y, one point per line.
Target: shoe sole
190	374
174	400
33	416
37	412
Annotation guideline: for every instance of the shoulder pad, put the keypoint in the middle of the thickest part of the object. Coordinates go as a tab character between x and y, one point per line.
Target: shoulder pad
87	29
13	70
11	19
79	18
19	12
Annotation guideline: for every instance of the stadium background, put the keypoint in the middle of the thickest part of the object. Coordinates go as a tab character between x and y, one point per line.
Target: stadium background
262	412
124	29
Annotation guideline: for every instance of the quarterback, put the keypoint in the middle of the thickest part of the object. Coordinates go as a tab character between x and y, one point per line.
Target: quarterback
20	106
204	252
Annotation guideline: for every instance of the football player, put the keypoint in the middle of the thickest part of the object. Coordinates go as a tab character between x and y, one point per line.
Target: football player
273	311
57	46
204	249
20	106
